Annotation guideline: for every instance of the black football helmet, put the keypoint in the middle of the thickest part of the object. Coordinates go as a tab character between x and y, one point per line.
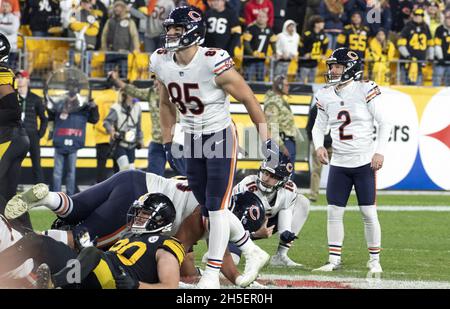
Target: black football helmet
352	66
5	48
279	169
151	213
193	22
249	209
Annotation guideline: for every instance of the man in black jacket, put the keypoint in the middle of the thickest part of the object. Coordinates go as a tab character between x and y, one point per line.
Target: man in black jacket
316	166
32	107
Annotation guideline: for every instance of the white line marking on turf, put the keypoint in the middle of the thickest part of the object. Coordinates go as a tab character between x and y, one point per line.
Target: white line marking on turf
362	283
355	208
390	208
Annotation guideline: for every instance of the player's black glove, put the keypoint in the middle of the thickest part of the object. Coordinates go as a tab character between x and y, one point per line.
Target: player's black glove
125	282
178	165
287	237
270	148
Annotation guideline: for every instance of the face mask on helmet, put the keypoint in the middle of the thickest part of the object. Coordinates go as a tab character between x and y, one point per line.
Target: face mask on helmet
273	175
347	62
266	176
152	213
184	28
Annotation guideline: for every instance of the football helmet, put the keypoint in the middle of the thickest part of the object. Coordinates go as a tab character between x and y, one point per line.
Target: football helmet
191	19
5	48
249	209
352	66
151	213
280	169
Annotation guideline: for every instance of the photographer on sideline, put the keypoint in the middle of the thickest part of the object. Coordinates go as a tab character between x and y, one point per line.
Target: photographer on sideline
123	123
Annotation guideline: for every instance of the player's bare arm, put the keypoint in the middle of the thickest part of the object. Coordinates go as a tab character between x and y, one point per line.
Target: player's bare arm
167	114
322	155
168	272
234	84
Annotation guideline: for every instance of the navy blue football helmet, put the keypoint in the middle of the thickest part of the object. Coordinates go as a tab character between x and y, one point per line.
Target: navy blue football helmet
280	169
151	213
193	22
352	66
249	209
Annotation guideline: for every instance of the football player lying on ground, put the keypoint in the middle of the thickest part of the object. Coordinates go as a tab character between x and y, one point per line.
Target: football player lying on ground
144	258
148	217
285	209
102	209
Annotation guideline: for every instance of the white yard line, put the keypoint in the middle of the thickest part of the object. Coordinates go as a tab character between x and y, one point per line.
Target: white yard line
355	208
390	208
318	281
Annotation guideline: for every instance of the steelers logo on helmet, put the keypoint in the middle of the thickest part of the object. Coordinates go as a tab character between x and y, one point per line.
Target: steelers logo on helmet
347	60
151	213
190	20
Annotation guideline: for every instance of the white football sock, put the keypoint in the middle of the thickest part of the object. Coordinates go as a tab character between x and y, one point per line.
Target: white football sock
219	235
238	234
372	230
335	232
123	163
58	202
300	213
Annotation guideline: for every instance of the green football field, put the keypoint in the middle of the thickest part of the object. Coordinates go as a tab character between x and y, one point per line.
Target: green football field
416	244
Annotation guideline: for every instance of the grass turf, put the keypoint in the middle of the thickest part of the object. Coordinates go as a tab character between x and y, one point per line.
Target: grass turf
416	245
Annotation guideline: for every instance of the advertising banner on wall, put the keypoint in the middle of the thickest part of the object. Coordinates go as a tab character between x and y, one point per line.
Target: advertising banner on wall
418	155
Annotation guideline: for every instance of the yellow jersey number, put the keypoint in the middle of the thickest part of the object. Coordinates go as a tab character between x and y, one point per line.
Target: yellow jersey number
123	245
316	51
418	41
447	39
357	42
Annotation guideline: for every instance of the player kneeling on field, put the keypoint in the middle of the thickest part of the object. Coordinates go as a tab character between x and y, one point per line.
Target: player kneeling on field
267	203
143	259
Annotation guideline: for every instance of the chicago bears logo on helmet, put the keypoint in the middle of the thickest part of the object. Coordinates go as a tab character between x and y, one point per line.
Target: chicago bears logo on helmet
351	63
191	20
195	16
249	209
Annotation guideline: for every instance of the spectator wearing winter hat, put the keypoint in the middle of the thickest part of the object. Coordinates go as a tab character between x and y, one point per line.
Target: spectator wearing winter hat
286	47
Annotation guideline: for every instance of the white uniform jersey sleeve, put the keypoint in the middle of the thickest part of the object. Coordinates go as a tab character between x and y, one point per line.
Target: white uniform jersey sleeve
179	193
376	108
285	198
8	237
204	107
219	61
321	123
351	118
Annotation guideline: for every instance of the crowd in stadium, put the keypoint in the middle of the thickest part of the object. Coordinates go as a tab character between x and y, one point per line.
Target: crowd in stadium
402	41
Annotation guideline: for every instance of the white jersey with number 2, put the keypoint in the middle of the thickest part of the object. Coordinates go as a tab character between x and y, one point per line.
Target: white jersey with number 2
350	114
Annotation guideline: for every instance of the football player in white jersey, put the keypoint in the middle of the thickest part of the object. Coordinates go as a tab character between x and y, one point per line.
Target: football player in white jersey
102	209
8	237
285	208
349	106
198	81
